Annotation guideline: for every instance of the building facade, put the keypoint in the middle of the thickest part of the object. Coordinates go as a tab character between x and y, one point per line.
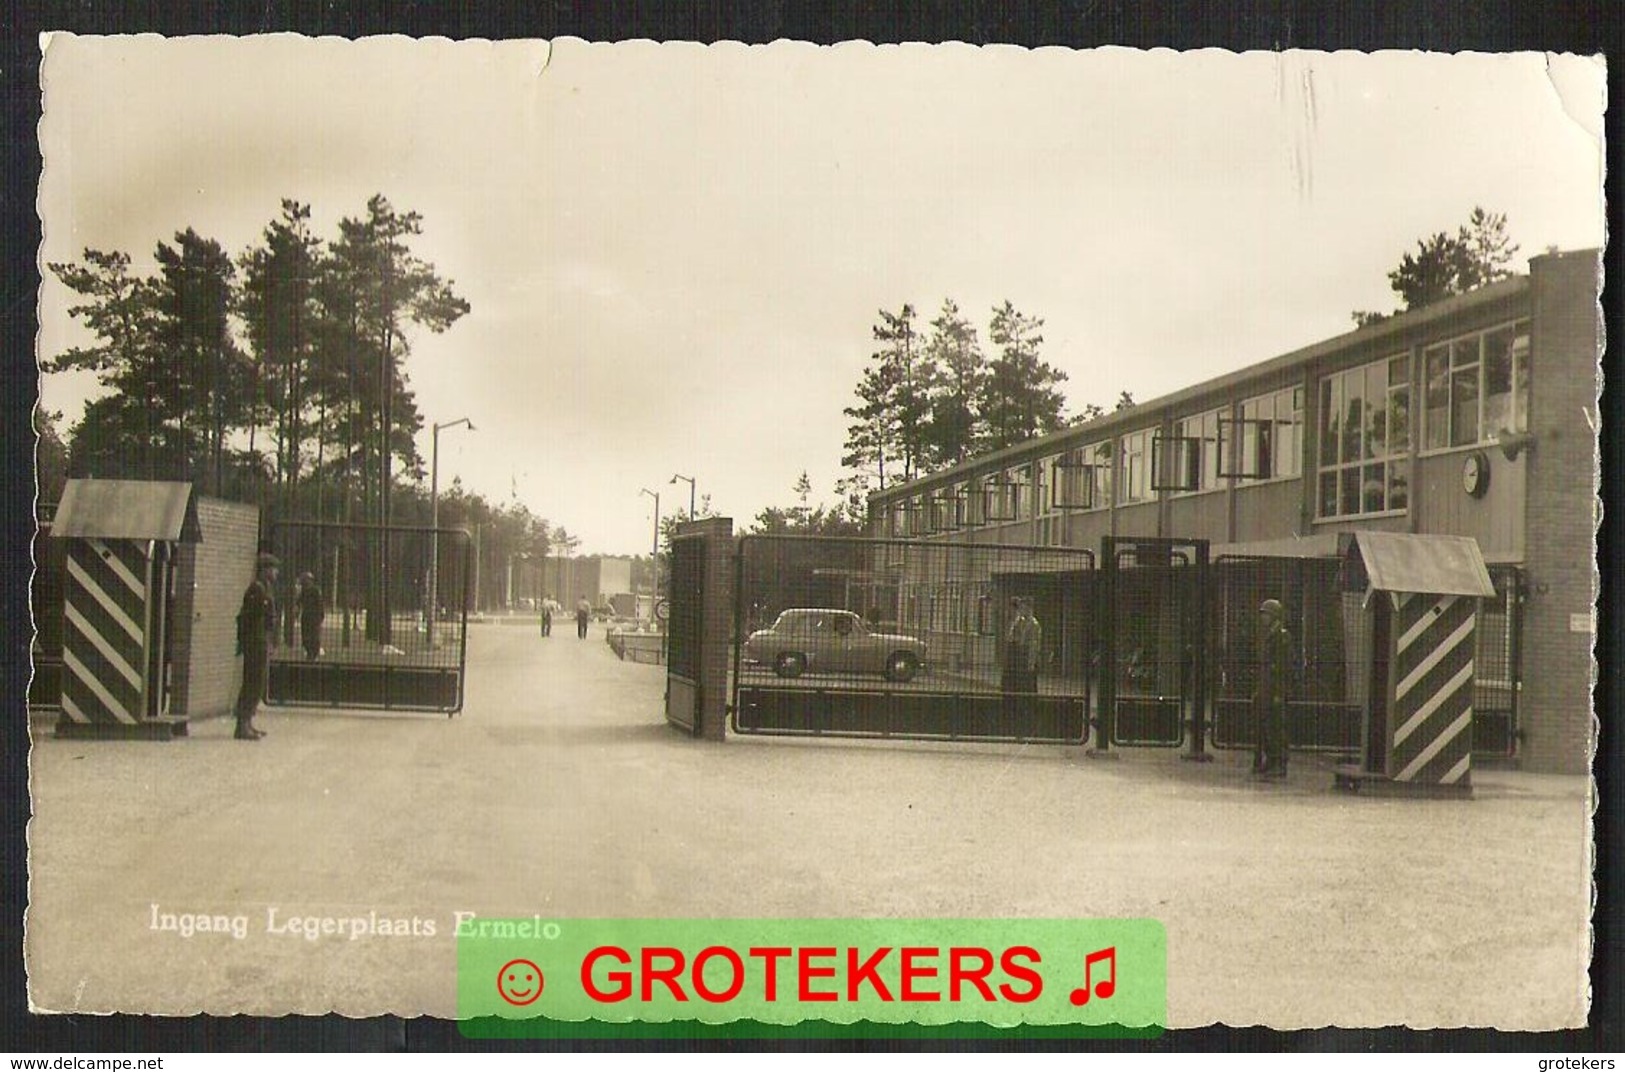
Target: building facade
1475	417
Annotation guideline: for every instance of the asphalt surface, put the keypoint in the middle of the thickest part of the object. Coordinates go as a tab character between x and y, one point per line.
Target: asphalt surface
560	792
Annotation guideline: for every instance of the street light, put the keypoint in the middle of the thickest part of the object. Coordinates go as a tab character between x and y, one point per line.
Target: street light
654	552
434	523
679	476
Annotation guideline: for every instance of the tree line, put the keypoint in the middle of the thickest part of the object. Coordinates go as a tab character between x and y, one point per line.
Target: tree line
930	401
272	377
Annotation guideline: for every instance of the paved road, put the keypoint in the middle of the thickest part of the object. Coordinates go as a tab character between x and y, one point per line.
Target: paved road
560	792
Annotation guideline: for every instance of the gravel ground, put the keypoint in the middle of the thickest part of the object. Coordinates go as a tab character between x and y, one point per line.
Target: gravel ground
559	791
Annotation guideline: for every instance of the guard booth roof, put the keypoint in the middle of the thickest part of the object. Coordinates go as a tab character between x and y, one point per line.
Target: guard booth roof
128	510
1403	562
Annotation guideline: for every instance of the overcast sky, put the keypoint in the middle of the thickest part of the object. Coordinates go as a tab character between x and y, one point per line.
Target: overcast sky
674	253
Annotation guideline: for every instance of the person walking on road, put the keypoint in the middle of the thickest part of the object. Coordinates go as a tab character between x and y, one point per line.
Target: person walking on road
311	613
548	608
256	627
583	613
1269	704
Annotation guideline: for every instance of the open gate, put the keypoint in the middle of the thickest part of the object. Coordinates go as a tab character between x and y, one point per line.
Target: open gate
909	639
1154	641
393	628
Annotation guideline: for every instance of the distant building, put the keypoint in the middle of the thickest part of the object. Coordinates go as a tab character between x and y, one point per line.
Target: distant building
595	578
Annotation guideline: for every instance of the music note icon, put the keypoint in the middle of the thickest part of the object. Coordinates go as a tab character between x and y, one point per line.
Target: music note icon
1106	987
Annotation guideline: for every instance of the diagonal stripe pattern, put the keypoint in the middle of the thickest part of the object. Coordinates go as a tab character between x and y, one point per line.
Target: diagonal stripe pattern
104	641
1433	694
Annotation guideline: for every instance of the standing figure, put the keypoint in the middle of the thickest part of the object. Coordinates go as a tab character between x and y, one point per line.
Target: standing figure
256	627
1269	704
1021	649
311	613
583	613
548	607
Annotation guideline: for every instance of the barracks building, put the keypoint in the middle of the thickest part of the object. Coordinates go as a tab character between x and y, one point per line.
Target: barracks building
1476	416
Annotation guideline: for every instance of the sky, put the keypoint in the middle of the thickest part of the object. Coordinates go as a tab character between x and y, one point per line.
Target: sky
674	254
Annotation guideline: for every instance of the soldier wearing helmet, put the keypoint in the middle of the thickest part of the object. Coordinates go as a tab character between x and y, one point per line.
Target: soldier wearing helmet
1269	704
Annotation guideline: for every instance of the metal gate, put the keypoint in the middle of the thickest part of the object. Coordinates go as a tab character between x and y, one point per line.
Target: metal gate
1329	642
392	631
1326	692
1497	679
910	639
1154	650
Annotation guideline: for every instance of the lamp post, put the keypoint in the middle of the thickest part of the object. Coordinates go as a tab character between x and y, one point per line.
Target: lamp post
679	476
434	522
654	552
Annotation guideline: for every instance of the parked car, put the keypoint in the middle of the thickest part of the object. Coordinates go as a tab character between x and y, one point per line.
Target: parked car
807	639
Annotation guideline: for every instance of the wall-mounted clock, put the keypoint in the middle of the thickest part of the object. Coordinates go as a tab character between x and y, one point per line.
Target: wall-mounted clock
1475	474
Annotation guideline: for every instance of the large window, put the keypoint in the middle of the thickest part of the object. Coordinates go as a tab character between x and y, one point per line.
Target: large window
1365	437
1009	495
1203	431
1134	456
1476	386
1271	435
1081	479
976	501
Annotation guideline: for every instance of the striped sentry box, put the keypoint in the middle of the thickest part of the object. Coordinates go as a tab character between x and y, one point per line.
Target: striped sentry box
104	645
1432	713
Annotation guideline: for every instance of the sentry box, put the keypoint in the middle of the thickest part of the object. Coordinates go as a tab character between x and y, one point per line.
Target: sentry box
1419	596
118	598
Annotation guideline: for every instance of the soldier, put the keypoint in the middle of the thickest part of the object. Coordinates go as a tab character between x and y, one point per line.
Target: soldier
1269	703
256	626
312	611
1021	653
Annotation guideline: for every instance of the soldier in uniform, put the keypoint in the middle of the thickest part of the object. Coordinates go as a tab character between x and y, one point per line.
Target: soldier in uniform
1269	703
256	626
1021	653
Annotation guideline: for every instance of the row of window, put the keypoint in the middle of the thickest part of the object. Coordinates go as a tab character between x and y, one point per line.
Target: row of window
1474	387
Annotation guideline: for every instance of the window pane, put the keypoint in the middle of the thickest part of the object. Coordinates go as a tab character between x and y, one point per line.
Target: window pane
1438	397
1372	490
1287	438
1497	381
1328	494
1331	420
1210	451
1464	353
1398	487
1520	381
1349	501
1286	446
1354	416
1399	371
1399	420
1376	411
1463	406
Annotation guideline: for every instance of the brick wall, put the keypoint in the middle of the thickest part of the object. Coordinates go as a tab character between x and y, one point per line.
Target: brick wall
209	580
1561	513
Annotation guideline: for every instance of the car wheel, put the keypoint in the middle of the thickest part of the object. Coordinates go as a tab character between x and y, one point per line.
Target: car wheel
902	666
790	664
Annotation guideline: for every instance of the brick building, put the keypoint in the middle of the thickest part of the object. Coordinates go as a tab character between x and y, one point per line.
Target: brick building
1475	417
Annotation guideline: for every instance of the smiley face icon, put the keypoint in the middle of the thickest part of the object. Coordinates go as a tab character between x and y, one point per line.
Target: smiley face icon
519	982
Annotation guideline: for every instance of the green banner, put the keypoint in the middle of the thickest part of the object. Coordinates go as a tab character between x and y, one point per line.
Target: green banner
698	978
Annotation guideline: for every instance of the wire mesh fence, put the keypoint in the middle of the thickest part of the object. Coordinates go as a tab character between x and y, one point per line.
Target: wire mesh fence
366	594
877	612
912	638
